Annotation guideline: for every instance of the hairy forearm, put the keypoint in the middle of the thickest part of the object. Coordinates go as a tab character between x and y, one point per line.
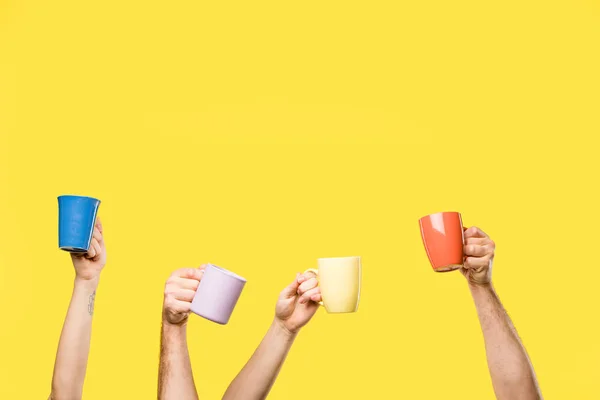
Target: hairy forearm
175	378
512	374
74	345
258	375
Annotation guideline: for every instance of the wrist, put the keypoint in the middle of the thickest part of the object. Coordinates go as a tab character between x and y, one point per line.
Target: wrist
477	288
280	328
174	331
181	325
90	284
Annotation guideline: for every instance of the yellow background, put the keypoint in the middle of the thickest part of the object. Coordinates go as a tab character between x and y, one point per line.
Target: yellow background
262	135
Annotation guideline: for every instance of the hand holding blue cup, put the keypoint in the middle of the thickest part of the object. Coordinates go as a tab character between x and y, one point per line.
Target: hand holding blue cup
76	219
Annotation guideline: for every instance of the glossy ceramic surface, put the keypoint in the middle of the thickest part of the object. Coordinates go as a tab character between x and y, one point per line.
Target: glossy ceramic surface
443	238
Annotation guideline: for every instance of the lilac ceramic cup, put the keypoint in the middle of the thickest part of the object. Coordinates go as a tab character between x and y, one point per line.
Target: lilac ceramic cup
217	294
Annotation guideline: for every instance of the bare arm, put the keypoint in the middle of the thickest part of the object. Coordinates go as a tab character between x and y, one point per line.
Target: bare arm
512	374
258	375
175	377
296	306
511	370
74	344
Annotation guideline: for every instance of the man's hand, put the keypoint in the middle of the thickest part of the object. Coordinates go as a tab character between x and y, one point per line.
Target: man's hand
511	370
298	302
89	265
479	256
179	293
175	378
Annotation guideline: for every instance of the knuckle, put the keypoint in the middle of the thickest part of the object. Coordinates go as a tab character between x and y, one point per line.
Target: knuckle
313	283
168	304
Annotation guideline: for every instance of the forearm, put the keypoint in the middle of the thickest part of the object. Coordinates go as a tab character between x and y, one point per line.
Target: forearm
175	377
74	345
258	375
512	374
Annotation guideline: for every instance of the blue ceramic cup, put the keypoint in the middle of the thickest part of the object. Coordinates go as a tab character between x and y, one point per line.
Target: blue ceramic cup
76	219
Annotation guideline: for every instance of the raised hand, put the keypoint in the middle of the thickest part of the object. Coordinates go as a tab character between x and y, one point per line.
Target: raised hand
511	370
175	378
89	265
74	344
298	302
479	256
296	305
179	293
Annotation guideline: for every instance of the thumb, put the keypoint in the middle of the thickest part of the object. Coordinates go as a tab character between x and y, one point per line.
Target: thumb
291	289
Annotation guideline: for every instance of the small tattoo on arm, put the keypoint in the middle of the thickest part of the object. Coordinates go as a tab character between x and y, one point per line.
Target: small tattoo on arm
91	303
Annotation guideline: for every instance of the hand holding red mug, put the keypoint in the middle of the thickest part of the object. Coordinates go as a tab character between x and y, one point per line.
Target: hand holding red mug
479	256
450	246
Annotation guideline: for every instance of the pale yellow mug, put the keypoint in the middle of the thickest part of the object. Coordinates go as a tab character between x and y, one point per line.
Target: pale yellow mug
339	280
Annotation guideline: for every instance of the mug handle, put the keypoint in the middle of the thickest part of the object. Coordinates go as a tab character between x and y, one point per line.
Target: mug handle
316	272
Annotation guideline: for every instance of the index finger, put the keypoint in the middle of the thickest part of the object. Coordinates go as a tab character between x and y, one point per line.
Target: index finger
189	273
203	267
306	276
475	232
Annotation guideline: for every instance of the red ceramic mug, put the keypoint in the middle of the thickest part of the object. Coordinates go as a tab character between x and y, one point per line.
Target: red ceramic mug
443	238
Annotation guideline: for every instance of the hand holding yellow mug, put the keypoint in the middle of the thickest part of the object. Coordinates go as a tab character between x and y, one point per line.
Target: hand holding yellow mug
339	280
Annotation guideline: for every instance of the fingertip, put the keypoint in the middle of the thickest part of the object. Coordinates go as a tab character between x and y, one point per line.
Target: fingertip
189	273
